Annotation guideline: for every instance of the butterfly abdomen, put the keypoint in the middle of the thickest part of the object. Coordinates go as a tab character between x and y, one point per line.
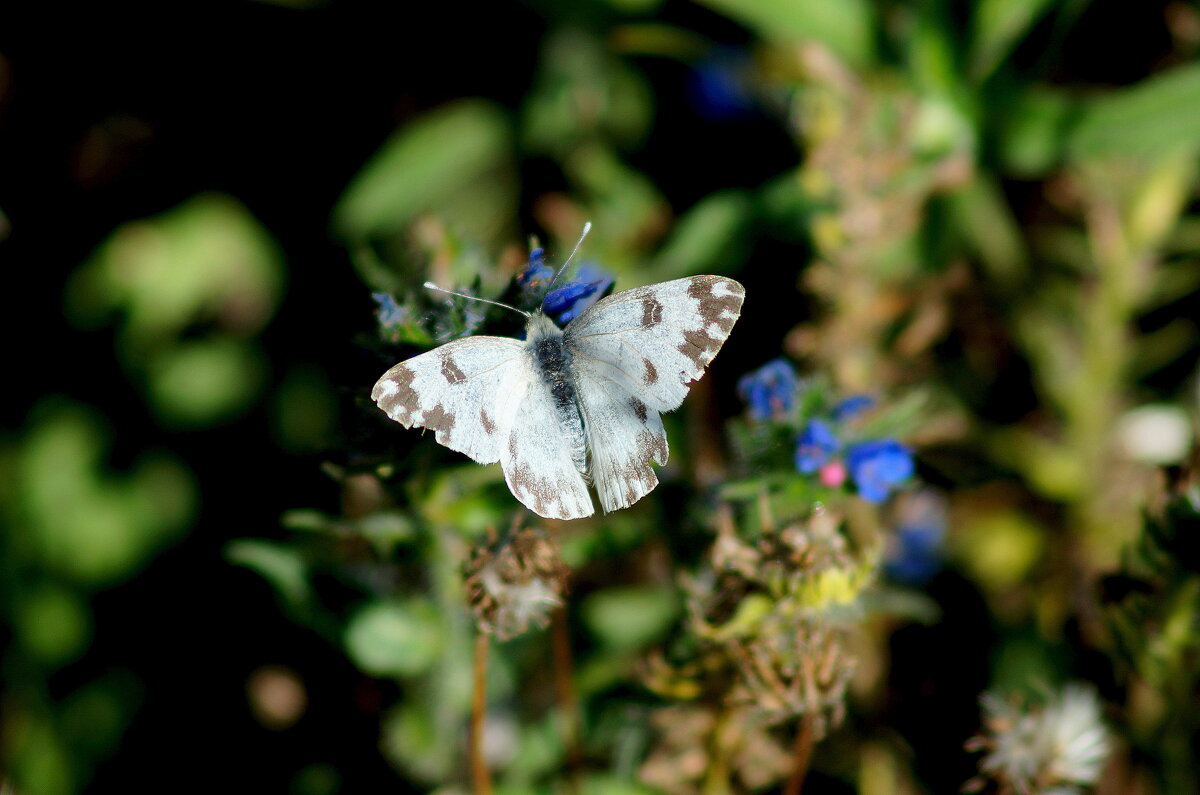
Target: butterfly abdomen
552	360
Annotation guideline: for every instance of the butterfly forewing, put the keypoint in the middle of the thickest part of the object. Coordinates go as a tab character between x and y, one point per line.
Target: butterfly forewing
659	338
453	390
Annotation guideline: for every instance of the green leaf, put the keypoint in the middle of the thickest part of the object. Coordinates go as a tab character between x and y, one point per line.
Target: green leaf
207	260
279	564
709	238
989	229
52	623
1159	115
630	616
84	522
1033	131
455	162
997	27
202	382
847	27
394	638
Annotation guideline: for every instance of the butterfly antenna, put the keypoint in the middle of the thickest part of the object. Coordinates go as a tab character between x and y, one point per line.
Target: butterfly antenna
587	227
432	286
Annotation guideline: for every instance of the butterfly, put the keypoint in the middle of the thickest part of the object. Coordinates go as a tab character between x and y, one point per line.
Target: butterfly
567	406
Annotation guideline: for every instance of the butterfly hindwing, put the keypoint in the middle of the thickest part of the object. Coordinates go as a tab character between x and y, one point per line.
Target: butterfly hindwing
455	390
536	457
624	435
657	339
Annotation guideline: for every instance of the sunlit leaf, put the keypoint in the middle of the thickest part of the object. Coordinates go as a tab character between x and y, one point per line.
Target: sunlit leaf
999	548
1033	131
206	261
394	638
1153	117
846	27
997	28
279	564
455	162
84	522
201	382
630	616
709	238
584	94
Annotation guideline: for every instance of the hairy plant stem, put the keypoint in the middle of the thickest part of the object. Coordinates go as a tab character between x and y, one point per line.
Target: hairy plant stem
801	754
480	777
564	690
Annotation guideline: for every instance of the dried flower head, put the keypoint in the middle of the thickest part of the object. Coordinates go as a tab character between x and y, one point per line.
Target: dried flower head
514	586
692	736
1056	749
796	666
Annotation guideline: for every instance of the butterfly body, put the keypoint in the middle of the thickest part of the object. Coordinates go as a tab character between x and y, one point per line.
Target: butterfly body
553	362
563	406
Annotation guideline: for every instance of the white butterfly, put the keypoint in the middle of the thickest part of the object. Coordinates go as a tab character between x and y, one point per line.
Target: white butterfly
565	406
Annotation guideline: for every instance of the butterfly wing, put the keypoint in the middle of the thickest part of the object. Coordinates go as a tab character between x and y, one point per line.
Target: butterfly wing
624	435
659	338
535	456
456	390
634	353
483	398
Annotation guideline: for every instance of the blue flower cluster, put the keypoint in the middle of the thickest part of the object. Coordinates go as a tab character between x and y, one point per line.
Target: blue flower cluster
825	445
567	302
389	314
770	391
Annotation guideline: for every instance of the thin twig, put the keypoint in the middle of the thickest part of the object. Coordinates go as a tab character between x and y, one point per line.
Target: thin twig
480	776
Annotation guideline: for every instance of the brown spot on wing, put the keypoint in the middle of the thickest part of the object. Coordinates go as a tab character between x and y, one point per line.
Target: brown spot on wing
651	375
489	427
700	347
401	402
723	310
450	370
438	419
720	311
544	496
652	311
639	408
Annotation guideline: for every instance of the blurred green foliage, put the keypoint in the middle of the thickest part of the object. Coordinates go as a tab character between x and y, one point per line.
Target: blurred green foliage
1000	250
206	264
910	131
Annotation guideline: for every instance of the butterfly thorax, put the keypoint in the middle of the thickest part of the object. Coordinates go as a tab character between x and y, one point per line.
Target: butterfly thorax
552	361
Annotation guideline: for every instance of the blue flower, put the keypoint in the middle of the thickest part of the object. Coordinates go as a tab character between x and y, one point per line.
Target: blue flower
389	313
536	276
815	446
914	552
769	391
852	406
719	86
566	303
878	466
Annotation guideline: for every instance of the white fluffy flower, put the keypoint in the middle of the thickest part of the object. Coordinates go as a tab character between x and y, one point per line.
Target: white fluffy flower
1054	750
